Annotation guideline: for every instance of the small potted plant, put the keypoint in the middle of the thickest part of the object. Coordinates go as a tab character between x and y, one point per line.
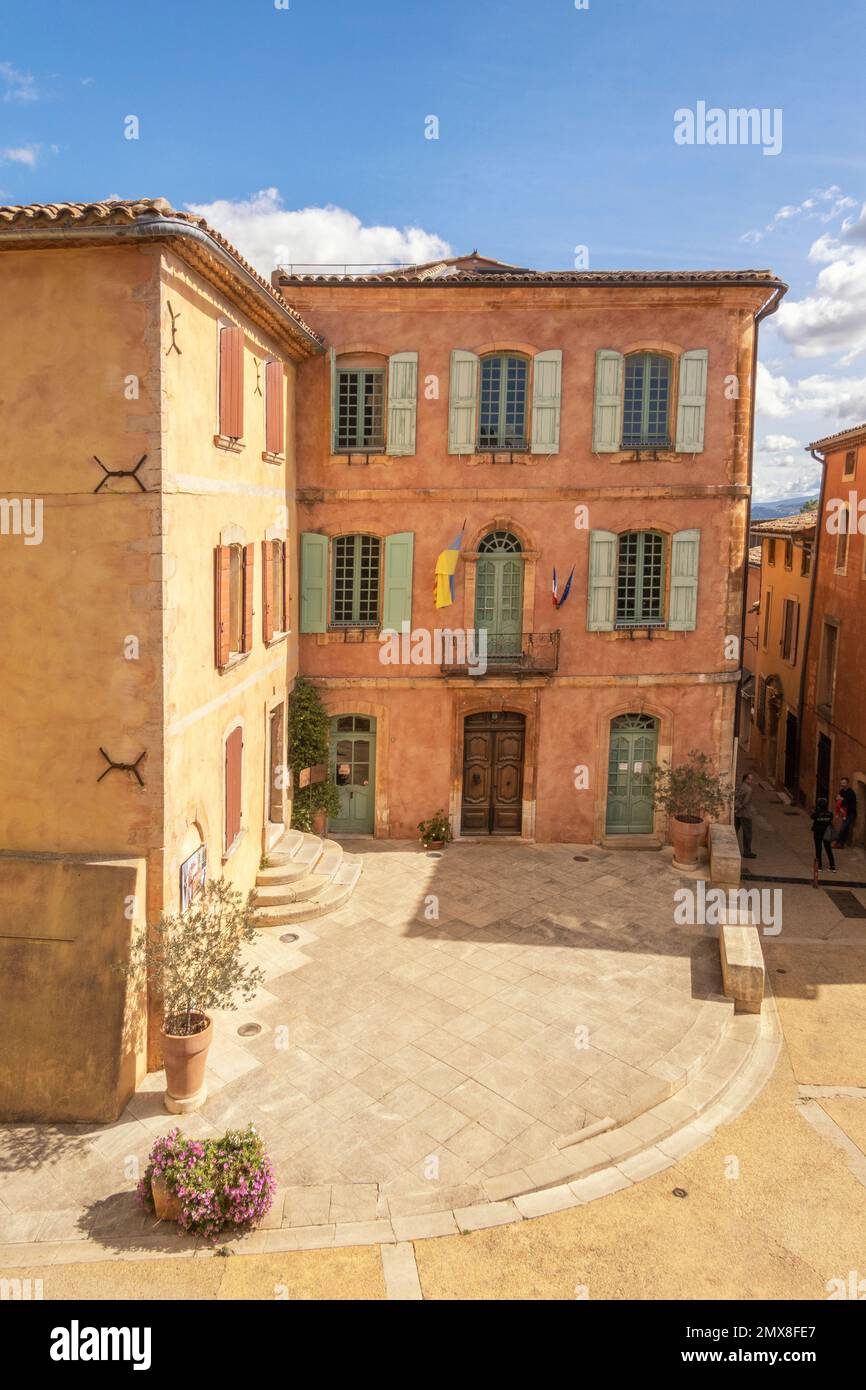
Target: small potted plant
207	1184
435	832
194	963
688	793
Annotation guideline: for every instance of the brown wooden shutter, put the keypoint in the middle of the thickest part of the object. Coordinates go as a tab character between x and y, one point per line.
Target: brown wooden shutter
274	408
249	570
267	591
287	612
234	759
232	382
222	603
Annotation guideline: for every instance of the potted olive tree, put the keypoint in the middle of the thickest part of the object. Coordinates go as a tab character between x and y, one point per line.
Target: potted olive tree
309	746
194	963
689	792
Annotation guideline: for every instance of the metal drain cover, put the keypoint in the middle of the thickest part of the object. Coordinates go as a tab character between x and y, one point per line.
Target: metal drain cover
289	937
249	1030
434	854
580	858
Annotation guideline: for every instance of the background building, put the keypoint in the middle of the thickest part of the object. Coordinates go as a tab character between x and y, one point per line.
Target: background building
787	548
834	714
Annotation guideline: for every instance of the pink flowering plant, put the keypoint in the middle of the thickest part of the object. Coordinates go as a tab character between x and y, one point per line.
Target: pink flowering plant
217	1182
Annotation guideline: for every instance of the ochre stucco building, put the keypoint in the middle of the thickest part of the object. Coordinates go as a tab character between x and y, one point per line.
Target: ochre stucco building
834	714
550	421
147	475
786	577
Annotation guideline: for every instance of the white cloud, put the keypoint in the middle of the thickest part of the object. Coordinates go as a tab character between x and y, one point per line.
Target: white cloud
825	204
779	443
20	86
833	318
268	233
791	478
21	154
841	399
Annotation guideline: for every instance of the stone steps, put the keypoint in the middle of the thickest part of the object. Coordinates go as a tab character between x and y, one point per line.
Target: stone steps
305	878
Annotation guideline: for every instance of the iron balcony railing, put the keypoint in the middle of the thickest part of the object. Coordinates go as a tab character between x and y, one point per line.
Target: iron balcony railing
526	653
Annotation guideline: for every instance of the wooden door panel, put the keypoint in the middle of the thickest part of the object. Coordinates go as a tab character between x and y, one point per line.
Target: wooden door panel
492	780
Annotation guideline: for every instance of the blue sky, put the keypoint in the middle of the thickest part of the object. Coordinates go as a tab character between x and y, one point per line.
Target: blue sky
301	133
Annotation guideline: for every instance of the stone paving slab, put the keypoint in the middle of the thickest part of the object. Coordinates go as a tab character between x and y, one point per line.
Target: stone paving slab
409	1066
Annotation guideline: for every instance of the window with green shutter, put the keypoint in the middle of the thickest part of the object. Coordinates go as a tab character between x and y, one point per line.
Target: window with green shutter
640	587
502	414
646	402
357	564
360	406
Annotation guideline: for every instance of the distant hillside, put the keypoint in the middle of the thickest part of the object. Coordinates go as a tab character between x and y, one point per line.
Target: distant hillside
784	506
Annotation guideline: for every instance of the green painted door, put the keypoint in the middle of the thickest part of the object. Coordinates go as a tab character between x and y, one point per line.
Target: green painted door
633	739
353	767
499	602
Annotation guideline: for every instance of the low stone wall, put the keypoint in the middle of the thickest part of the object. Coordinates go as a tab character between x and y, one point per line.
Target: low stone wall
72	1030
724	856
742	966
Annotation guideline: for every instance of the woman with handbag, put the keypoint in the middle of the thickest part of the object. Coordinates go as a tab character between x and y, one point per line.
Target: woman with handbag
822	835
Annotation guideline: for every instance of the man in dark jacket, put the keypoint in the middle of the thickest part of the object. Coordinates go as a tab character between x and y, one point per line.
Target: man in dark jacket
743	813
848	808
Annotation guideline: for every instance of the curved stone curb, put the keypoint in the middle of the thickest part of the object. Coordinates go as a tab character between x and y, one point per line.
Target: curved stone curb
683	1123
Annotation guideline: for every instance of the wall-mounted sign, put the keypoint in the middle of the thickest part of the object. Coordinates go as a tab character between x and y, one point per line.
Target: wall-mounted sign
310	776
193	873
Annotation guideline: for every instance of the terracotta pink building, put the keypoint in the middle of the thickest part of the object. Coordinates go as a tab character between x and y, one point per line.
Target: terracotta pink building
504	424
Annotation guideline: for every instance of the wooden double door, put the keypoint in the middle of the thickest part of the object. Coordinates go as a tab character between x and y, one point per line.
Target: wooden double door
493	751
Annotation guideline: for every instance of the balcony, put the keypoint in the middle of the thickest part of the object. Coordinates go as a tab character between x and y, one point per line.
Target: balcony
529	654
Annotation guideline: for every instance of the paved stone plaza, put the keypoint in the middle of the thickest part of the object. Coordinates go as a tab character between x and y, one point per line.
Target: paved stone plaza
460	1019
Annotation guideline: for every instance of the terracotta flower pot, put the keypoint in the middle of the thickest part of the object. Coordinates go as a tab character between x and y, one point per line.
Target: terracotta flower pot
185	1059
433	844
686	835
320	822
166	1204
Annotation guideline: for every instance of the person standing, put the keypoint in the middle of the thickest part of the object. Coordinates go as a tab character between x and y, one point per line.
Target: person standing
822	833
847	803
743	813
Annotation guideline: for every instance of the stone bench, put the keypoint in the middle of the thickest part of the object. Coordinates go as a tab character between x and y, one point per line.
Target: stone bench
724	855
742	967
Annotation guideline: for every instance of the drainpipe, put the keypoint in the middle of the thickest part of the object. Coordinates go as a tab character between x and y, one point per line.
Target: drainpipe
807	635
770	307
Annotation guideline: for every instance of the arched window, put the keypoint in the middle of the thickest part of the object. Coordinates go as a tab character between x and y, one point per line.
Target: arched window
502	414
640	586
646	401
356	580
499	542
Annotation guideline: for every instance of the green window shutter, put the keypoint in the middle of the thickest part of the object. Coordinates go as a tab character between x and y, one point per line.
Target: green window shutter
685	562
607	412
397	601
314	582
692	401
402	398
546	397
463	402
601	591
332	362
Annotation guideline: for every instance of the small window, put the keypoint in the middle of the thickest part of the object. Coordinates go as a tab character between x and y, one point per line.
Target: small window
236	599
827	668
850	466
360	408
502	416
646	402
806	558
357	564
790	630
771	551
278	586
789	555
353	723
842	542
640	579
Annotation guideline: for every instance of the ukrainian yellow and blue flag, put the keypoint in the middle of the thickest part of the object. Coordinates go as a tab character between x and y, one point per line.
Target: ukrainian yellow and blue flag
446	566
